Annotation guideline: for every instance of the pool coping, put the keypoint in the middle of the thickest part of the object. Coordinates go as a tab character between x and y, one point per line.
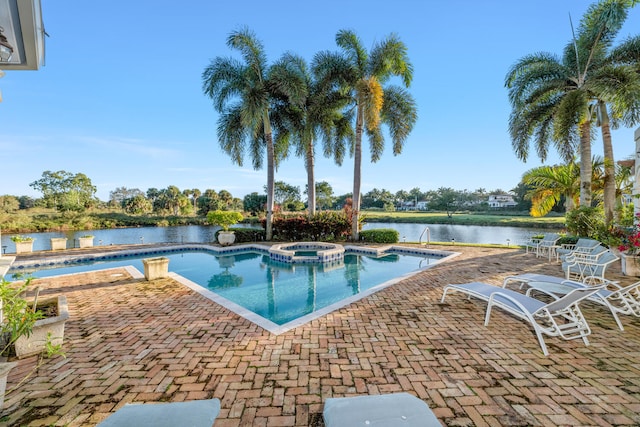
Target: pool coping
260	321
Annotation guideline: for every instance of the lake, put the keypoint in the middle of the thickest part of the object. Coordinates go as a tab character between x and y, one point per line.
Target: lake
206	234
460	233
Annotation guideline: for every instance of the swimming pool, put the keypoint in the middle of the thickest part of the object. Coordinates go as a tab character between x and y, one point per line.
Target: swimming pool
276	295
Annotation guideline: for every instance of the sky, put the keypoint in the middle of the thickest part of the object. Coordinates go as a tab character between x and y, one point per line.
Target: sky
120	96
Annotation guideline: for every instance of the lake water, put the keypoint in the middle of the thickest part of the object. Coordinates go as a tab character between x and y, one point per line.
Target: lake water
460	233
206	234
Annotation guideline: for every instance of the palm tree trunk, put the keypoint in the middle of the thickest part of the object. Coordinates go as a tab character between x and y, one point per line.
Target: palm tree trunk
270	175
585	164
311	180
357	173
609	166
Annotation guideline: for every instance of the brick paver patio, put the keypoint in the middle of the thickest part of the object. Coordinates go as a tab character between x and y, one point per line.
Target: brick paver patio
134	341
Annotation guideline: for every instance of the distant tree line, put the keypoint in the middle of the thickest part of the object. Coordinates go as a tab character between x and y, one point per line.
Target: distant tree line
65	191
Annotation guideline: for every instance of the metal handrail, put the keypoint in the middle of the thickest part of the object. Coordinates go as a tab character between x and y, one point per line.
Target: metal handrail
428	235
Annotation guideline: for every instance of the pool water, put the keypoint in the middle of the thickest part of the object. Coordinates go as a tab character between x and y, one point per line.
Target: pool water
276	291
306	253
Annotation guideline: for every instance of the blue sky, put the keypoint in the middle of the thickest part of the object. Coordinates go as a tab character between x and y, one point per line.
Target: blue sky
120	96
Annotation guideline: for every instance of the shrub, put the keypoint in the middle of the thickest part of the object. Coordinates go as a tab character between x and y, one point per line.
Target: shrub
586	222
224	219
380	235
247	235
19	239
568	240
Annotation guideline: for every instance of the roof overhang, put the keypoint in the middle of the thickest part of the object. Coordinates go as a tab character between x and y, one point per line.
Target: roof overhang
24	30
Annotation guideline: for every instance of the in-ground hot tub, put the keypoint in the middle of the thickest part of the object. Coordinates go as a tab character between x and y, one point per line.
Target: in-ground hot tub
307	252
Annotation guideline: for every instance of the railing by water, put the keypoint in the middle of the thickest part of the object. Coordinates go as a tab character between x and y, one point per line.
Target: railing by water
428	231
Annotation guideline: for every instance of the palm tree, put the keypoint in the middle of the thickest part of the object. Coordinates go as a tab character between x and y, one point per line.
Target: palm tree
618	85
316	112
624	183
550	105
548	185
240	93
363	74
555	100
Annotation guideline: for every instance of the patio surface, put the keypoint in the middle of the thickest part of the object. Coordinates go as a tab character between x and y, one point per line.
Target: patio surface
129	340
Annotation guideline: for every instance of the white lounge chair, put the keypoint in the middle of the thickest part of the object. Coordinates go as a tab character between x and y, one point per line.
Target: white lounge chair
396	409
618	299
561	317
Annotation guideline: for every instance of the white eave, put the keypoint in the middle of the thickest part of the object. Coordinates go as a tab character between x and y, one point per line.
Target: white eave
24	30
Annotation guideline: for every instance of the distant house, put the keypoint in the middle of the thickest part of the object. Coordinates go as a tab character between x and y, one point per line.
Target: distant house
413	206
502	201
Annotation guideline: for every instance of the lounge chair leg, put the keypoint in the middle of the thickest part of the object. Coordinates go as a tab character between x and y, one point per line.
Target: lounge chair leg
487	314
618	321
541	341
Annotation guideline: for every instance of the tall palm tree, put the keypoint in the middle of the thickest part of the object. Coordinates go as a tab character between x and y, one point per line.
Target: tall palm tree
550	106
554	101
363	75
240	94
618	85
309	108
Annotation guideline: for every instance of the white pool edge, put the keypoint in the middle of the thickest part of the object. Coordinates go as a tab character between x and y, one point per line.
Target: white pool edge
267	324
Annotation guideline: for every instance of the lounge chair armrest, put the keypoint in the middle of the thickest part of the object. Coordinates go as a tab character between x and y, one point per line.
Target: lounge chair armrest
597	280
582	258
533	287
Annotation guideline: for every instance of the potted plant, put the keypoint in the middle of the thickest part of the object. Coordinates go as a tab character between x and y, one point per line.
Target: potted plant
626	240
22	320
24	244
224	219
86	241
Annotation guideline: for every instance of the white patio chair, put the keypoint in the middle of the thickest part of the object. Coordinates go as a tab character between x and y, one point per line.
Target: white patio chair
561	317
583	245
581	266
618	299
546	243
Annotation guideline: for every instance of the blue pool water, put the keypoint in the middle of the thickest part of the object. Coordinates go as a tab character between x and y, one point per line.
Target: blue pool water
276	291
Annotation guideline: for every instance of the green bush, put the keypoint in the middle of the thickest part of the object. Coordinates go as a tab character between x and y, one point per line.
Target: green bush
568	240
585	222
380	235
224	219
246	235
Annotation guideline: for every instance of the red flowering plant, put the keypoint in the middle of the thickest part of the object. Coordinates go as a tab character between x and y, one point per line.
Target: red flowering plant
629	237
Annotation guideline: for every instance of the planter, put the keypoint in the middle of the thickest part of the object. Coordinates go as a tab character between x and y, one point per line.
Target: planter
630	265
35	343
5	367
226	238
86	242
24	247
156	268
58	243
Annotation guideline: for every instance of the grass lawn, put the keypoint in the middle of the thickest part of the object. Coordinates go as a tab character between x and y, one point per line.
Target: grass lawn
465	219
